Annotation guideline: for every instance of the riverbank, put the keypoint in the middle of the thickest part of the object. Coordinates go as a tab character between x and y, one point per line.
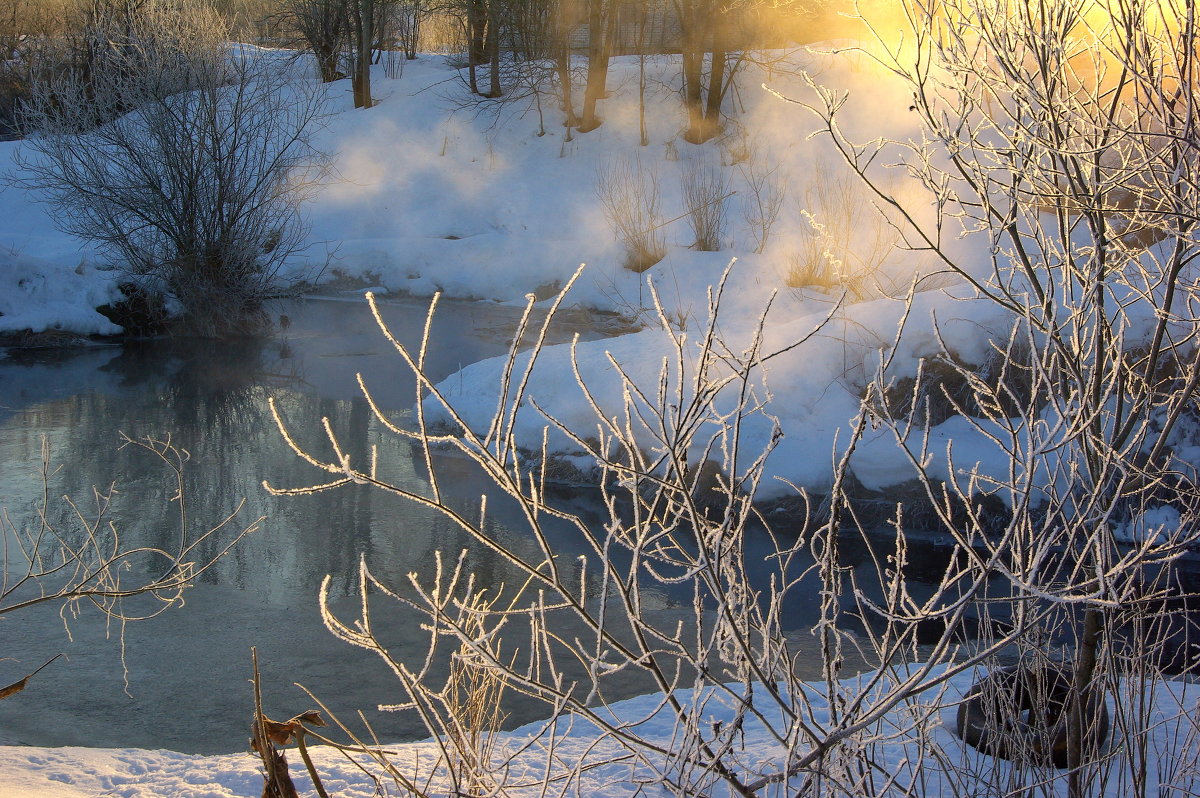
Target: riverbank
931	758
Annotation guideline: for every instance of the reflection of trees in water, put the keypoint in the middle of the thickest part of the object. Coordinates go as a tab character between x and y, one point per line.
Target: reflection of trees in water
216	387
206	398
211	399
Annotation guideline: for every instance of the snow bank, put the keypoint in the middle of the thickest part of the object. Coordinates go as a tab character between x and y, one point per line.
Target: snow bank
39	295
429	193
939	763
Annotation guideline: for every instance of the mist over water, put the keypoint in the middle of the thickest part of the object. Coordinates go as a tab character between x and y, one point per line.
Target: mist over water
188	669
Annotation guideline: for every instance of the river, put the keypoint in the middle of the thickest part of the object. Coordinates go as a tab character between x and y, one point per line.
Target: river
181	680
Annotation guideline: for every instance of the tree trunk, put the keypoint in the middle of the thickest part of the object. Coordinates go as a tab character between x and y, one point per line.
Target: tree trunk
1078	718
716	79
327	63
693	63
643	136
493	47
693	25
476	24
598	48
475	43
563	65
700	21
364	19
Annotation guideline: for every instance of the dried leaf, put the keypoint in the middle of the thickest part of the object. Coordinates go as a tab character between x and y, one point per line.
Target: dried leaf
20	684
276	733
312	718
14	688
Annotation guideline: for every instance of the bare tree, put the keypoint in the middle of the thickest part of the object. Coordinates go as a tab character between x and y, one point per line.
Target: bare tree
408	18
195	190
324	26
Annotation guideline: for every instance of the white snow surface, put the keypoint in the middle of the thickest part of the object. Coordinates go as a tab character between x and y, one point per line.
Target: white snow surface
74	772
426	197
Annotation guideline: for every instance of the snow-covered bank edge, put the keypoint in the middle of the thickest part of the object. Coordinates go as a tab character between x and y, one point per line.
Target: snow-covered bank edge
929	754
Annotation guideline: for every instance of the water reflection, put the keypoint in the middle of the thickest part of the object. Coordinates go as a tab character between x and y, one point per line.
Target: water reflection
188	669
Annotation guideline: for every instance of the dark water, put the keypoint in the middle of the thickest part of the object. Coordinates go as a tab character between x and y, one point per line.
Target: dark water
188	668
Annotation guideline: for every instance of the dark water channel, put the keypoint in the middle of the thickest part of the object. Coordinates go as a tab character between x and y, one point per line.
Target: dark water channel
188	669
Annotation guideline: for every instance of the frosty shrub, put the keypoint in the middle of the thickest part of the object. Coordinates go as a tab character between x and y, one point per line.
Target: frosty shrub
1066	495
843	238
194	188
628	194
676	479
1062	135
705	192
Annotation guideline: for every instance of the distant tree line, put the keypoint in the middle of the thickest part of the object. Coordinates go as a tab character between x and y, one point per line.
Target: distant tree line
509	49
521	47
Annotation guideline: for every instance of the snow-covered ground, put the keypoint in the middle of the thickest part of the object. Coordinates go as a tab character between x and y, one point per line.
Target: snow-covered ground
427	195
426	200
934	762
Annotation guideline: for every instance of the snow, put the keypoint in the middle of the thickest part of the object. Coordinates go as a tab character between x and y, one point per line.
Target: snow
74	772
426	195
39	295
423	199
1157	522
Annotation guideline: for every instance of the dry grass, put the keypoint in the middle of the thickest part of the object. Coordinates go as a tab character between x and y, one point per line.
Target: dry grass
472	700
847	238
705	192
628	193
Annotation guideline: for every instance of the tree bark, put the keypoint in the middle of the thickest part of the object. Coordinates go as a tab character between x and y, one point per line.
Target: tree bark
1078	720
693	65
563	65
493	48
364	23
598	50
716	78
693	22
475	41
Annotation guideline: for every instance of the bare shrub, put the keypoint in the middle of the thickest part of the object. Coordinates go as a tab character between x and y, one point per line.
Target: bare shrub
324	27
32	34
677	484
1065	148
195	189
1075	439
628	193
473	694
705	191
736	148
844	240
764	197
809	264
